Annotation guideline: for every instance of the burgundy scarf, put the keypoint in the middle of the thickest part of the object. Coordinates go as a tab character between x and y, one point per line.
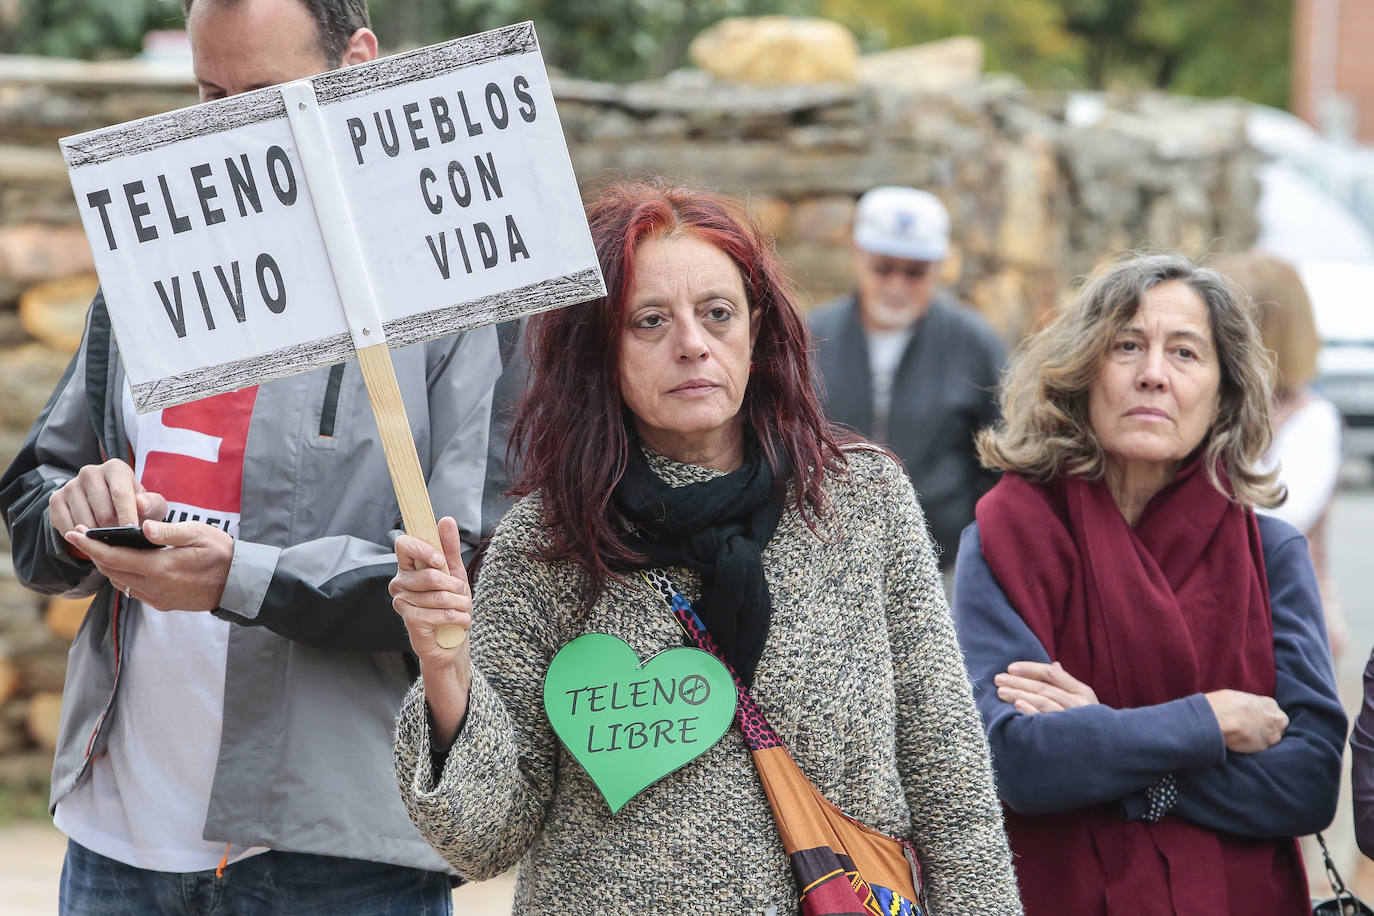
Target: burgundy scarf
1177	606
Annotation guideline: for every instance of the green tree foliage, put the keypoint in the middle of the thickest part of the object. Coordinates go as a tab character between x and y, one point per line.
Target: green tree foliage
1026	37
1202	47
86	28
1220	47
614	40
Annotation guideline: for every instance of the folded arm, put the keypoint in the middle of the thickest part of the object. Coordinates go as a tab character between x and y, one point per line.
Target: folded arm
1291	788
1095	754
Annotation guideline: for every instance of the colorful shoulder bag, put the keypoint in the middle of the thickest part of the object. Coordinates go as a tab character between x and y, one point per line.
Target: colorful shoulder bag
841	866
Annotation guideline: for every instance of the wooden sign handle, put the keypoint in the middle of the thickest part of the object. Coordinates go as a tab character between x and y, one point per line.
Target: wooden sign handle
401	459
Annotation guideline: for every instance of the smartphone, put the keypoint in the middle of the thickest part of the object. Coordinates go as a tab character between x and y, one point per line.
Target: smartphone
123	536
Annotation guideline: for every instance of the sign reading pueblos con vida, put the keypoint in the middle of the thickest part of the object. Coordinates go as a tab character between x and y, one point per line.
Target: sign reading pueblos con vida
210	225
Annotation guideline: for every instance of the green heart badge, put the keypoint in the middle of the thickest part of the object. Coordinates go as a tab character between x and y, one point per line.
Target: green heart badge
631	724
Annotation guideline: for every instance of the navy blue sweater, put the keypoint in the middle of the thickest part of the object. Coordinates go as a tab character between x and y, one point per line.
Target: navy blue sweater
1095	754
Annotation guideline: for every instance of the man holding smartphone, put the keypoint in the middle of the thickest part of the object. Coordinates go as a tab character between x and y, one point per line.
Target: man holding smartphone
226	726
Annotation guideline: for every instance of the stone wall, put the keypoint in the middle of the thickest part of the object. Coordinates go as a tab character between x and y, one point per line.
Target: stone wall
1036	201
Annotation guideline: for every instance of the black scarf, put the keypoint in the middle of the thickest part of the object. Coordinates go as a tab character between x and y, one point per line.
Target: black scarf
719	528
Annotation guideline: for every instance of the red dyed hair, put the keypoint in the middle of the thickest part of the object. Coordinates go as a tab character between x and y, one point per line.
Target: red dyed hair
569	436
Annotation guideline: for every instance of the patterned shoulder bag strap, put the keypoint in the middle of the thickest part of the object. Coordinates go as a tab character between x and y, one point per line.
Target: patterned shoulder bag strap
758	734
816	834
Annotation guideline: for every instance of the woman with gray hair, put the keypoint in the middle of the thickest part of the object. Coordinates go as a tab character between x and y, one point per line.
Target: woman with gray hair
1148	654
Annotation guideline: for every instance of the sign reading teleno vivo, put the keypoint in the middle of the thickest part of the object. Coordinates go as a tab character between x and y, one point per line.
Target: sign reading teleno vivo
217	230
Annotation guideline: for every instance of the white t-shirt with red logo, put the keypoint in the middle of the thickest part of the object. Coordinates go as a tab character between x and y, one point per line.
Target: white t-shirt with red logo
145	799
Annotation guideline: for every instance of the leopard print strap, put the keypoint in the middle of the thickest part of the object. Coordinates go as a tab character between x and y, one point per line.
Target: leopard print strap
660	582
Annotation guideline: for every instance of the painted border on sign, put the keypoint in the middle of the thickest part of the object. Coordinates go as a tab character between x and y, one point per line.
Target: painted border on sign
576	282
149	133
464	316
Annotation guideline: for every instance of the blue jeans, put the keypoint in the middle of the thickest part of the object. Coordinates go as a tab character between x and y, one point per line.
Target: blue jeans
270	883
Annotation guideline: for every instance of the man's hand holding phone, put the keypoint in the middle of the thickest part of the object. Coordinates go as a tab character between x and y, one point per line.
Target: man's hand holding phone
189	576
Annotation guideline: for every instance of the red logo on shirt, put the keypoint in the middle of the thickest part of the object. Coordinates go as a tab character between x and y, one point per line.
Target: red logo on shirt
195	457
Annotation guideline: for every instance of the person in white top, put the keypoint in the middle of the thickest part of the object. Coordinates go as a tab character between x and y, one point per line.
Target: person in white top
1307	427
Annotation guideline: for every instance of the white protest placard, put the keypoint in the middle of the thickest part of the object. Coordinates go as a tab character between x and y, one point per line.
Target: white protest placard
264	234
363	209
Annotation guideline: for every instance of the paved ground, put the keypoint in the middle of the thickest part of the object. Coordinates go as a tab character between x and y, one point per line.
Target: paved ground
30	861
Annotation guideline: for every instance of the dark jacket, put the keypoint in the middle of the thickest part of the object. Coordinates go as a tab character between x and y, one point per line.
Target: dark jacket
943	393
1362	765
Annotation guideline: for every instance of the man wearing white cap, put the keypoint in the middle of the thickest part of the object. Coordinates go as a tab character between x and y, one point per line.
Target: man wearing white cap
907	365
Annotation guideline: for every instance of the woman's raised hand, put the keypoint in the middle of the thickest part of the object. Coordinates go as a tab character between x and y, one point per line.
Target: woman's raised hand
1249	722
1035	687
427	598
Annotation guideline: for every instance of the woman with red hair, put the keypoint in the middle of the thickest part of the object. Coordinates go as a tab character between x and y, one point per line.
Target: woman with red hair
670	435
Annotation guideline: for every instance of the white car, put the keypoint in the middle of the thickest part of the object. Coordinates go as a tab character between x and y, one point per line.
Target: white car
1316	211
1342	295
1317	174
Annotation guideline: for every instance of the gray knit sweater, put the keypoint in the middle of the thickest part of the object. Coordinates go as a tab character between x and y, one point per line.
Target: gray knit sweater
861	676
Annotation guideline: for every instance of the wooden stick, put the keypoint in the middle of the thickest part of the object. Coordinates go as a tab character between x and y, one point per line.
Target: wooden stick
404	463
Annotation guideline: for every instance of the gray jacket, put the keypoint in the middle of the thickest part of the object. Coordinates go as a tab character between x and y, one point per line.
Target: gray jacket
943	393
318	663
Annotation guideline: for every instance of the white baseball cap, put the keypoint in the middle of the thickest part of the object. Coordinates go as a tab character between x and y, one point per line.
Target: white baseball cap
902	223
